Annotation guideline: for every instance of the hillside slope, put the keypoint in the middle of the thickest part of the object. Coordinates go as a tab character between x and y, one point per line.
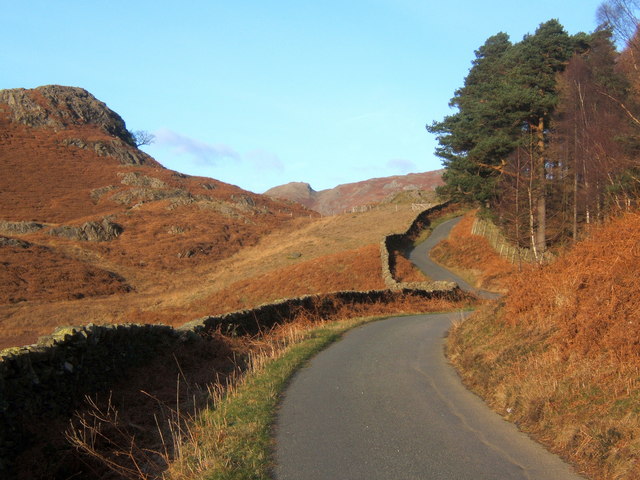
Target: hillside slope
561	356
97	216
347	196
91	233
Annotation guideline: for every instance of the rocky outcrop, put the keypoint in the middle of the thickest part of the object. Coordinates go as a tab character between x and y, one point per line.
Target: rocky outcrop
115	148
140	195
139	180
19	228
13	242
103	231
59	107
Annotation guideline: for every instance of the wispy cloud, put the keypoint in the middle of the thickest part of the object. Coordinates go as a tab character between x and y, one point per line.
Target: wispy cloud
401	165
262	160
203	152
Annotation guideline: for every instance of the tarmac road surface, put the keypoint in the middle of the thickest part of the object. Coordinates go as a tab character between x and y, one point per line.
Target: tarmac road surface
383	403
420	257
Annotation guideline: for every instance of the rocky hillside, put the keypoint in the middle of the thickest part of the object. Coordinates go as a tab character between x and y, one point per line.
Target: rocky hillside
350	195
84	213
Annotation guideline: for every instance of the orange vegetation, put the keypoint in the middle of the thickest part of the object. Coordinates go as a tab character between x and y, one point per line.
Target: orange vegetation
473	258
188	246
405	271
357	269
141	413
590	296
33	272
562	356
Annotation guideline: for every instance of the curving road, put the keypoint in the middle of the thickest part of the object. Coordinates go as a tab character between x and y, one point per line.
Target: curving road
383	403
420	257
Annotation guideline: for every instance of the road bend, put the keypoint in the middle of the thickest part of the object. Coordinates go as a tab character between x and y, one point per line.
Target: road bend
420	257
383	403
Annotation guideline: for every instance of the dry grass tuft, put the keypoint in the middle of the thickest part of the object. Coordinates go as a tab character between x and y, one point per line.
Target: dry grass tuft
561	357
150	422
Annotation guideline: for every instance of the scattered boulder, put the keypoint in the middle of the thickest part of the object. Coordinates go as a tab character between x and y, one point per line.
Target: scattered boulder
13	242
103	231
139	180
19	228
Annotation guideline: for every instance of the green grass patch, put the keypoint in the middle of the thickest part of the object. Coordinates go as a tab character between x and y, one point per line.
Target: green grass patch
233	440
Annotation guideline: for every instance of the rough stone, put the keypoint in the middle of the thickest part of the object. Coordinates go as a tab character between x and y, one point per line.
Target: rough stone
139	180
102	231
18	228
59	106
13	242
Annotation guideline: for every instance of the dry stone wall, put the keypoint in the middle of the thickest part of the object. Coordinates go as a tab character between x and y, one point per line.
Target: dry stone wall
404	241
504	248
53	376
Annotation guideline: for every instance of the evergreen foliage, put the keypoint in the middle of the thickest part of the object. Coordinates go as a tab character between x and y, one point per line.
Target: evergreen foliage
508	90
509	145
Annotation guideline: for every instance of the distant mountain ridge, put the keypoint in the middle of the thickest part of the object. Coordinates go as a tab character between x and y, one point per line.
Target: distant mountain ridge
349	195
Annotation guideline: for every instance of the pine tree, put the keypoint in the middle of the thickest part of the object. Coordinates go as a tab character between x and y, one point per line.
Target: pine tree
536	62
506	103
472	141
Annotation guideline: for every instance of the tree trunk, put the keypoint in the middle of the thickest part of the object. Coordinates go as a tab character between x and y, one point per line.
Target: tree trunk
575	182
541	200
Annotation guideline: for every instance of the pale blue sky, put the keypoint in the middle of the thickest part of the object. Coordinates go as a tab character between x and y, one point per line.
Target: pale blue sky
260	93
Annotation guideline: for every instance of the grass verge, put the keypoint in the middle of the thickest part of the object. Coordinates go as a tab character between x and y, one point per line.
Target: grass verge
233	439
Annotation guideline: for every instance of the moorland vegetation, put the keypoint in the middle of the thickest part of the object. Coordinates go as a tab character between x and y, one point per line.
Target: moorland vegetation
544	142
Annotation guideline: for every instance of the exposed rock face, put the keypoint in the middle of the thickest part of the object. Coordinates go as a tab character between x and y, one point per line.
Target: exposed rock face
350	195
19	228
59	107
13	242
138	180
64	108
116	148
103	231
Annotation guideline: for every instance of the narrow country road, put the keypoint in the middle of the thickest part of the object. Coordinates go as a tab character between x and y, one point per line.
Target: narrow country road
420	257
383	403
